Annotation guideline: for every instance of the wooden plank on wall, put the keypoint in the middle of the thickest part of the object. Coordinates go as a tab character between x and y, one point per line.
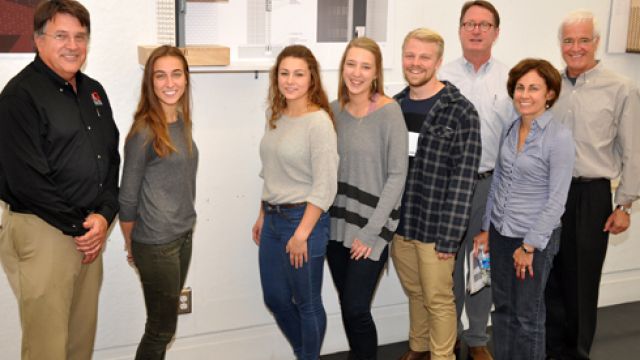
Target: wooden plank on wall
633	36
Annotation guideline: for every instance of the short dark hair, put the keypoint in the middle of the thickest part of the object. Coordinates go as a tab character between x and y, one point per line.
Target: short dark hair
547	72
47	9
483	4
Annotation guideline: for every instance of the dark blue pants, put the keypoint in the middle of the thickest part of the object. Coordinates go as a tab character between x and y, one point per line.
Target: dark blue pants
294	295
519	316
356	282
163	270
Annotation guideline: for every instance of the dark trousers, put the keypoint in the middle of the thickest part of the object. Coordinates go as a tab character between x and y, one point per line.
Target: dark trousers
163	270
478	305
574	283
356	281
519	315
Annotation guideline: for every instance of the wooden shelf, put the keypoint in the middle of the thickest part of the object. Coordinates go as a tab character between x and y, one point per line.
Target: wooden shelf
197	55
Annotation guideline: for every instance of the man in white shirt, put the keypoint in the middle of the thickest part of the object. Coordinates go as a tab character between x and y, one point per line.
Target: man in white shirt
602	109
481	79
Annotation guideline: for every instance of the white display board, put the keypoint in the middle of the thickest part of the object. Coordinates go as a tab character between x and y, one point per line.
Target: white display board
264	27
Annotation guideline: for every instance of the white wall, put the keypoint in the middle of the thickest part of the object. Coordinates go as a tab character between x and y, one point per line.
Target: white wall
229	319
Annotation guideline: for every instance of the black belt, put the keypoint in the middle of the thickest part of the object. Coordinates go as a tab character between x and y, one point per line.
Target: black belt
484	175
18	210
585	180
278	207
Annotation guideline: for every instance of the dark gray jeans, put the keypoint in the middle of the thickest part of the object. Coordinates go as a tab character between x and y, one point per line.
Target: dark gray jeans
520	313
163	270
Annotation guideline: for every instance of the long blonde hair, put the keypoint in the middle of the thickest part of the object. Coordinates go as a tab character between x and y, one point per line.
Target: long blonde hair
149	113
377	86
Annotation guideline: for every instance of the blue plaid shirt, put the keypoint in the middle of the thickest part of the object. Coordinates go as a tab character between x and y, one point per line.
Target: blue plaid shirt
437	198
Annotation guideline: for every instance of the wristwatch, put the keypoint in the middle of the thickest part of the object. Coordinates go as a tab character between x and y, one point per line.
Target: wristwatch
624	209
525	250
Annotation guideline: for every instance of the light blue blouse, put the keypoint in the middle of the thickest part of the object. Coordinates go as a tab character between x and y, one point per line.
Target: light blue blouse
529	188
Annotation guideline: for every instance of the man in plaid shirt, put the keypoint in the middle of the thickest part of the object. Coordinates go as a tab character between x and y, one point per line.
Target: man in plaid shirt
444	150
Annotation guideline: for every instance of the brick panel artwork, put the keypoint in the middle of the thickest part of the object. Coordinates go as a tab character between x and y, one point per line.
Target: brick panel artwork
16	25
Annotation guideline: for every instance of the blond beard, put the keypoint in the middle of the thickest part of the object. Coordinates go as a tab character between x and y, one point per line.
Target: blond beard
417	83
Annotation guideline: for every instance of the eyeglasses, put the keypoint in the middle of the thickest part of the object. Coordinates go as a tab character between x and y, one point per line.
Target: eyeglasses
568	42
65	38
471	25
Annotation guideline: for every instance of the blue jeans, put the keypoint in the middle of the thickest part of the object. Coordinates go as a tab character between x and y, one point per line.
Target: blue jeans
356	282
520	313
163	271
294	295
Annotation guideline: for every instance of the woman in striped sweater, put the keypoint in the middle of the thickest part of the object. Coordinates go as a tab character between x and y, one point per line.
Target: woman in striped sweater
372	144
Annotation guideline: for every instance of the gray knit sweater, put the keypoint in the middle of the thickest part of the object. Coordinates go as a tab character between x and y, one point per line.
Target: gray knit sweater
300	160
373	168
158	193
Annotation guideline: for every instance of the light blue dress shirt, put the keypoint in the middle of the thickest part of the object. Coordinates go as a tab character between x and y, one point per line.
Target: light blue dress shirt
529	188
487	91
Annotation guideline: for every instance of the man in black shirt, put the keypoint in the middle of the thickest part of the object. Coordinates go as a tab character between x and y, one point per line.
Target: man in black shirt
59	181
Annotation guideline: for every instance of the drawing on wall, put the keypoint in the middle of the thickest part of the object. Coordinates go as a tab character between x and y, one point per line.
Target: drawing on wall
335	21
16	25
341	20
256	30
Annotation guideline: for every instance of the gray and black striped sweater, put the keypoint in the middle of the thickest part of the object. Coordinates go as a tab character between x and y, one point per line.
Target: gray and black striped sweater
371	177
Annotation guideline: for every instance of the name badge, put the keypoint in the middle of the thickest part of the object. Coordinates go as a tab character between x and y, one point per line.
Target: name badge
413	143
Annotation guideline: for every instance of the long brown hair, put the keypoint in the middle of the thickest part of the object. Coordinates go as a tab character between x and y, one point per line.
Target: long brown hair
377	86
149	113
316	94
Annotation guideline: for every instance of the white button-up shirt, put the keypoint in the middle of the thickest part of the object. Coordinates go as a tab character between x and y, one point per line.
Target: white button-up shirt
487	91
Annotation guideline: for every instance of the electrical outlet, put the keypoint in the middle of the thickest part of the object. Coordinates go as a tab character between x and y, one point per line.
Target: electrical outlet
184	301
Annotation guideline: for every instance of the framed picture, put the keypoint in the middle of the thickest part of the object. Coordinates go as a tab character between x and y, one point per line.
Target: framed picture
16	26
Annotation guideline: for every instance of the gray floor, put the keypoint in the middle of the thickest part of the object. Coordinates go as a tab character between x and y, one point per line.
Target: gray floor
617	337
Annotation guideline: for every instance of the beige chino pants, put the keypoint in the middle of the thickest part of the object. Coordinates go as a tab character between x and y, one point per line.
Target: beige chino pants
428	283
57	295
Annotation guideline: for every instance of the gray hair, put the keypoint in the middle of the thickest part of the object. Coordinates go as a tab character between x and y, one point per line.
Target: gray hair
579	16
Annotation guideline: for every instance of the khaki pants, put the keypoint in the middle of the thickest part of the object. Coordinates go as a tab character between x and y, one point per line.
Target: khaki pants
428	283
57	295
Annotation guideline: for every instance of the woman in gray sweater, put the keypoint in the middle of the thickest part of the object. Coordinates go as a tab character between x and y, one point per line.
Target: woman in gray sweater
299	168
372	144
157	194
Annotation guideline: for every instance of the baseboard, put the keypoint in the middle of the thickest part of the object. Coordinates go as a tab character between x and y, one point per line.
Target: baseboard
619	287
267	343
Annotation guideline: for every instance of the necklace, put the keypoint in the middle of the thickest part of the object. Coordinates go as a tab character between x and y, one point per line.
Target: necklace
371	108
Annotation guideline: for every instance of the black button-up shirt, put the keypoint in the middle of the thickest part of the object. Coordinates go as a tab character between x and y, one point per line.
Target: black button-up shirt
58	149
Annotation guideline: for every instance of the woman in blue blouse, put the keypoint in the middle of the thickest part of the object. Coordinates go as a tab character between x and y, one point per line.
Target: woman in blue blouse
522	219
